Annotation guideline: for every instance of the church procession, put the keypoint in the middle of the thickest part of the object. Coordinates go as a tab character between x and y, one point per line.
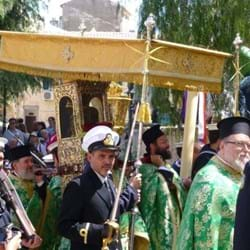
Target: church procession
121	138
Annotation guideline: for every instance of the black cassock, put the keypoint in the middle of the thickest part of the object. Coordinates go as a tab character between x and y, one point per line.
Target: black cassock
242	219
87	203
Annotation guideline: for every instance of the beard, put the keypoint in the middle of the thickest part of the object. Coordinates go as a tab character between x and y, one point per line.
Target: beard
241	162
164	153
26	174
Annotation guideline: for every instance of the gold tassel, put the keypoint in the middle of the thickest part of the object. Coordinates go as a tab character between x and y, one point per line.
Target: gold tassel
144	114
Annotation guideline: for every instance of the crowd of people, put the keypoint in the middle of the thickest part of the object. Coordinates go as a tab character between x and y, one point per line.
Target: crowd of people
172	212
39	137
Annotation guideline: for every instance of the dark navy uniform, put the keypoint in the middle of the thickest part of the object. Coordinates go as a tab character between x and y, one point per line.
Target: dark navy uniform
5	220
87	203
204	156
242	219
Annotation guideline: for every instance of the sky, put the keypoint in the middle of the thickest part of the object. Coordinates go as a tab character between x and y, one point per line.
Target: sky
54	11
54	8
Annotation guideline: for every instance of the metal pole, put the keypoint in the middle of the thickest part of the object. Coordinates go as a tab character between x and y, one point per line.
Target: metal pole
4	106
119	189
150	24
131	112
237	43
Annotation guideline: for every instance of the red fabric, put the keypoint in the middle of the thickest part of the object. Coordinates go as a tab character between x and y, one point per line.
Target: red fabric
86	127
146	159
52	144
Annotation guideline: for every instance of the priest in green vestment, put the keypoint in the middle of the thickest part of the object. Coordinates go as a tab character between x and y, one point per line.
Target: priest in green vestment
209	214
162	192
40	199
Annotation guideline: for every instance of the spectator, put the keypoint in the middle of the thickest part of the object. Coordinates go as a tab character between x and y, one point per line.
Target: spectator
52	126
12	143
44	139
38	146
13	132
40	126
21	126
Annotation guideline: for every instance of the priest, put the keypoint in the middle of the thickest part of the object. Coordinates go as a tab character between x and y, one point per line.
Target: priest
40	199
209	214
162	193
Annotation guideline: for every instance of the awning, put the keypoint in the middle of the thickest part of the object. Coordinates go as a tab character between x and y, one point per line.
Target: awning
171	65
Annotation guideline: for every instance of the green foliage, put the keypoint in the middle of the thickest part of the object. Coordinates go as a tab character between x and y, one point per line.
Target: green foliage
5	6
16	85
18	15
211	24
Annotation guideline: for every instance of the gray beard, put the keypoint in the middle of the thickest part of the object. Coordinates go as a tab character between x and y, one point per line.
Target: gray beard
239	164
26	175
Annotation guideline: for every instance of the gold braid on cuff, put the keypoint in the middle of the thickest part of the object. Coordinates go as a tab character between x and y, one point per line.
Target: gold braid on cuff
84	233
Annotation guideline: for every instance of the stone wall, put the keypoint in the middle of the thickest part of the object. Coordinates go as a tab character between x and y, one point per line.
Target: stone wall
101	15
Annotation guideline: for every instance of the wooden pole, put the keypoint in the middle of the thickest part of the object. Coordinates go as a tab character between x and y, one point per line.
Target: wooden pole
189	134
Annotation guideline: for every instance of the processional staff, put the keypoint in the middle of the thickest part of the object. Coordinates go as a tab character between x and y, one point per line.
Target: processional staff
111	223
237	43
142	114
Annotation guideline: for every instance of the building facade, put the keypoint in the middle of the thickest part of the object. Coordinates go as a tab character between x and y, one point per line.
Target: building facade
90	18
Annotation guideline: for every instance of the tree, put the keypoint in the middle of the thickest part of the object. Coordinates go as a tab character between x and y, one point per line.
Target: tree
18	15
211	24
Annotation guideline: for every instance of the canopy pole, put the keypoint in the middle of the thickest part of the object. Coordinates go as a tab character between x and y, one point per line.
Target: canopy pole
189	134
237	43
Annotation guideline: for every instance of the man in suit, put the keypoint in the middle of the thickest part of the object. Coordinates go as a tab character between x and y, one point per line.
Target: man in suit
242	218
88	199
208	150
244	99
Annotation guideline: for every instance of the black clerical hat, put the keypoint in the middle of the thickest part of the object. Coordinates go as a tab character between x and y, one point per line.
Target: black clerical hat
19	152
234	125
150	135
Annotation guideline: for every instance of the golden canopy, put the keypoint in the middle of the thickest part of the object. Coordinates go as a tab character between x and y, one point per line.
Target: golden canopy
96	59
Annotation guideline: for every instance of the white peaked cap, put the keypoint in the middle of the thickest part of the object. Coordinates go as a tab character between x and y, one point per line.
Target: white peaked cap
48	158
212	126
102	136
179	144
3	141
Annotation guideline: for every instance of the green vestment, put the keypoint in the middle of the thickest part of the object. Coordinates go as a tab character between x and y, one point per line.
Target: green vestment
161	206
141	240
208	217
42	216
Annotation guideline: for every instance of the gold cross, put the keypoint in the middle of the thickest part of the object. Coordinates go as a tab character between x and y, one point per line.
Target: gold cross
68	54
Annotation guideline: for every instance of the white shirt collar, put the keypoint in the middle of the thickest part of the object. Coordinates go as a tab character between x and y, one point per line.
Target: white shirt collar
101	178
